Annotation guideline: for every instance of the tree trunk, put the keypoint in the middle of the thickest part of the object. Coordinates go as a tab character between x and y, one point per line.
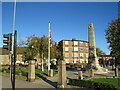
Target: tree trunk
42	62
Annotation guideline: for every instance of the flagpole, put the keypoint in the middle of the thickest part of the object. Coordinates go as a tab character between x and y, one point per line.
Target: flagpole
49	49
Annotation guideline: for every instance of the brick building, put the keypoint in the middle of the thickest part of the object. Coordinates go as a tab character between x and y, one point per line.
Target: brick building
74	51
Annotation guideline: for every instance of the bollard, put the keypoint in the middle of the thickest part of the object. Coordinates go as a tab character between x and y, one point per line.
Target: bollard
31	70
116	72
61	74
91	73
113	66
80	75
51	72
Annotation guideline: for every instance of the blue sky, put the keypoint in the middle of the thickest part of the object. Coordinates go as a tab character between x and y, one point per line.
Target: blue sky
68	19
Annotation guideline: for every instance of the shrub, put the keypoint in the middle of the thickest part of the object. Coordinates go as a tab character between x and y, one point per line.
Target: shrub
90	84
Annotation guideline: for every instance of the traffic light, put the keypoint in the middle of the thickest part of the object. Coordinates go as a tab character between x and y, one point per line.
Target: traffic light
8	41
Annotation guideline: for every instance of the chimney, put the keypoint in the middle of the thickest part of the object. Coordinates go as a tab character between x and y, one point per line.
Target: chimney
73	39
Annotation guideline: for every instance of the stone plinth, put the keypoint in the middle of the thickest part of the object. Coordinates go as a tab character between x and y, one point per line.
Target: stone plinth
51	72
80	75
91	73
31	70
61	74
116	71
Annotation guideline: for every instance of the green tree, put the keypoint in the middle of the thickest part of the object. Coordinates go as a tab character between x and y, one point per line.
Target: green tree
53	50
30	51
40	46
99	52
113	38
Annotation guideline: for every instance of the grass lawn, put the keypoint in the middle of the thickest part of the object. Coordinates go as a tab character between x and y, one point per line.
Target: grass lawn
24	71
111	81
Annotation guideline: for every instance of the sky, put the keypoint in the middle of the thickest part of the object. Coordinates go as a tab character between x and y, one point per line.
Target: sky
68	20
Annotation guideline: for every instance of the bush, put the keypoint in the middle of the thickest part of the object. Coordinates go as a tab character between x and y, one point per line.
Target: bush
90	84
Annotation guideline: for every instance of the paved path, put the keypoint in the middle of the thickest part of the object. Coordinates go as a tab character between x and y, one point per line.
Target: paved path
74	74
24	84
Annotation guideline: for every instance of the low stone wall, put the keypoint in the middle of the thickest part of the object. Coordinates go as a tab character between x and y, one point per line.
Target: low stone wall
4	59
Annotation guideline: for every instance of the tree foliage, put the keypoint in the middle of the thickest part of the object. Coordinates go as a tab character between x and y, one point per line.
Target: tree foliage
113	38
99	52
38	46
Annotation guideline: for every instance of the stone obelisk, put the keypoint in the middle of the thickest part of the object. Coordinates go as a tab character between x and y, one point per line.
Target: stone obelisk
92	60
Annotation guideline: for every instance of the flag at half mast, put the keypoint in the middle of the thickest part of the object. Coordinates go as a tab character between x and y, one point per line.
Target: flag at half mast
50	39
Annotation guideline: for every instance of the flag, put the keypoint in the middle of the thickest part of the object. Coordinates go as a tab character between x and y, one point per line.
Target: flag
50	39
50	36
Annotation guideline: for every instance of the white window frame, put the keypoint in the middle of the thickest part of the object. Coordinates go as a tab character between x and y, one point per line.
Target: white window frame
75	61
86	60
87	49
81	43
86	55
81	60
67	60
66	48
75	55
81	55
86	44
75	43
66	54
75	49
66	43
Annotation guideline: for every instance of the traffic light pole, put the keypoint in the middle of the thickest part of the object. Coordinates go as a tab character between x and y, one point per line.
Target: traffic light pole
13	61
14	54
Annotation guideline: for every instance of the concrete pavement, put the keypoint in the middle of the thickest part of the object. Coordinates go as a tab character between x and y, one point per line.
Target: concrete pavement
24	84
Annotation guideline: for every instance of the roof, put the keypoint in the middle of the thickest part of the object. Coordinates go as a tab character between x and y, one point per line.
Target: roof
105	56
75	40
20	50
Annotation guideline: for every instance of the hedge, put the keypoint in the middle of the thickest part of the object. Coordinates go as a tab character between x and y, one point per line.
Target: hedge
91	84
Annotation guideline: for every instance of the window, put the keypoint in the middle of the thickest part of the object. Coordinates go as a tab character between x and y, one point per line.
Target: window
86	55
81	60
81	49
67	60
75	43
75	60
66	54
81	43
86	44
86	60
75	49
81	55
66	43
87	49
75	55
66	49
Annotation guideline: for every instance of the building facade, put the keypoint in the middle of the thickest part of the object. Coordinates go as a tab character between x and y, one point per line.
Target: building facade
74	51
4	55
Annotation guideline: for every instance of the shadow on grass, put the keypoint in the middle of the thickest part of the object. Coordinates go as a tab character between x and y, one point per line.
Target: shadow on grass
54	84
